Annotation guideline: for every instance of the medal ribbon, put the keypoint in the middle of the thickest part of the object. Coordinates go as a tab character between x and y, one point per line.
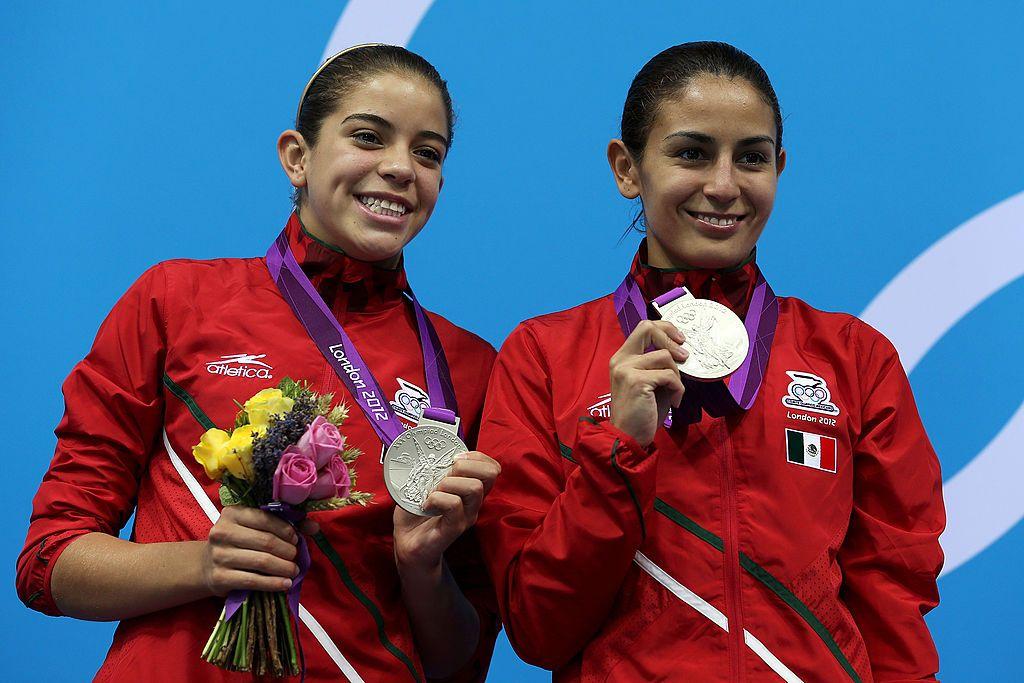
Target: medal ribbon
717	398
341	354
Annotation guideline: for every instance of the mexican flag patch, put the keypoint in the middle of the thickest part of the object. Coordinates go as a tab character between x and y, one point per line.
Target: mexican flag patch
811	450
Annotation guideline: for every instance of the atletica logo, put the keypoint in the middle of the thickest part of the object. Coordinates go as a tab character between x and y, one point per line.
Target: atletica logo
603	407
241	365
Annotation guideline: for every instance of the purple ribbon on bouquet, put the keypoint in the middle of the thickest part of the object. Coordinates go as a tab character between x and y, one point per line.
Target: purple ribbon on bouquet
342	355
739	390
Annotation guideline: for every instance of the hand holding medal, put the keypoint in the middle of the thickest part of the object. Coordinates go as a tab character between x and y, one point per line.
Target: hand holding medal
438	485
447	512
646	383
716	339
718	347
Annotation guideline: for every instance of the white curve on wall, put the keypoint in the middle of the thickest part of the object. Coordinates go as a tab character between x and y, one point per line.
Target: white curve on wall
989	247
982	500
374	21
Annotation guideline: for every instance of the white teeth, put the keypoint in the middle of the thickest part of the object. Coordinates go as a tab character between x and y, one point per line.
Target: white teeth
714	220
382	206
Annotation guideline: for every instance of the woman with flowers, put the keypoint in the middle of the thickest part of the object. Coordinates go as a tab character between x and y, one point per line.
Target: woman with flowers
388	596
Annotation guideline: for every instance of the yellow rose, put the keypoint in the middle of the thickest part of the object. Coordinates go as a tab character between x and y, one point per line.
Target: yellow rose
237	458
210	450
268	402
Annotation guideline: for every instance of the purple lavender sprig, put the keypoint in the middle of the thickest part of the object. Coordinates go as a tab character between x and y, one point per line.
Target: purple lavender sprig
282	431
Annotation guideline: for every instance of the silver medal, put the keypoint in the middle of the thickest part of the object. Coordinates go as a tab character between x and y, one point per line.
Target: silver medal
416	463
715	337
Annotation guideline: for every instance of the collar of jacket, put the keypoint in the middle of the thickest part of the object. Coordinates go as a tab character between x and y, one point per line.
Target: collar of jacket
731	287
346	284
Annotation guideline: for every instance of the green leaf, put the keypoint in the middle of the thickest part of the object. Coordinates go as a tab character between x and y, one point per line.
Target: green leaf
338	414
349	455
289	388
325	504
228	496
360	498
354	498
323	403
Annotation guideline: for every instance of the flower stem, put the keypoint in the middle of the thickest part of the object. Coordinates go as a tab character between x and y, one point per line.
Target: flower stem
213	636
273	646
290	637
243	637
218	642
238	655
226	658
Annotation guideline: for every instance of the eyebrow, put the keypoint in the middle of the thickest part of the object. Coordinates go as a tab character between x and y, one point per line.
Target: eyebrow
387	125
707	139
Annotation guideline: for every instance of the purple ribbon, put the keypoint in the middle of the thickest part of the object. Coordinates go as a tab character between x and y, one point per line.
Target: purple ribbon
341	353
739	390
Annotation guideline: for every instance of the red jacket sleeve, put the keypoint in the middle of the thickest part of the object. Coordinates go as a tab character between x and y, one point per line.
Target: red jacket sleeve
113	413
891	556
549	523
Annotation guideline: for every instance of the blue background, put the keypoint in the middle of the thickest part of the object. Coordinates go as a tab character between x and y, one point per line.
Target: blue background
133	134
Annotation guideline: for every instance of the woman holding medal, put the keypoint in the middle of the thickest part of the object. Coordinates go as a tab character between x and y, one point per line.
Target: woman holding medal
390	595
782	519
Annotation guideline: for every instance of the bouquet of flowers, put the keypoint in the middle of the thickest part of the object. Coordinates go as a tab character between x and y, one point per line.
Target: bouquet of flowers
284	455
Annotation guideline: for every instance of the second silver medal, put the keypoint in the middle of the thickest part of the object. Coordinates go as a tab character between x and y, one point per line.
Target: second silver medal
416	463
715	337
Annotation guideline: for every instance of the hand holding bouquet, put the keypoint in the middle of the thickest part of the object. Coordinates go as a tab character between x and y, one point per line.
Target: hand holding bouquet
285	455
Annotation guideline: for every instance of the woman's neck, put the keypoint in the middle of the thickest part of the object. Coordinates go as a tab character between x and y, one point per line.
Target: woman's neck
662	259
316	233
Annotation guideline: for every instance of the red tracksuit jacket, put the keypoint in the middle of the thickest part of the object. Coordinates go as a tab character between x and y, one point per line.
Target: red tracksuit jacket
157	367
731	549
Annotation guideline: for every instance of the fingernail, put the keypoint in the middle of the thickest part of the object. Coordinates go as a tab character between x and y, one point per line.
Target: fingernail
287	583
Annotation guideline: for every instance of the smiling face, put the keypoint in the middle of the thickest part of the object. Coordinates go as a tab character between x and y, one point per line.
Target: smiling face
373	177
708	174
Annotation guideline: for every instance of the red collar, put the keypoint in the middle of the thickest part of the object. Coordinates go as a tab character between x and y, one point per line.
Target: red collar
731	287
345	283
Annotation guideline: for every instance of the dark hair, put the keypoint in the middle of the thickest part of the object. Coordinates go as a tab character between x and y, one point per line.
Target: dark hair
349	69
671	70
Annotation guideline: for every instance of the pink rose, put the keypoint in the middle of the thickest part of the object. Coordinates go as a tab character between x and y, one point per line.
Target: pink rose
332	480
320	441
295	477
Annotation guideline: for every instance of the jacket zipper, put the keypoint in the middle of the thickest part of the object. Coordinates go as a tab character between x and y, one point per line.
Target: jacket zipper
733	608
